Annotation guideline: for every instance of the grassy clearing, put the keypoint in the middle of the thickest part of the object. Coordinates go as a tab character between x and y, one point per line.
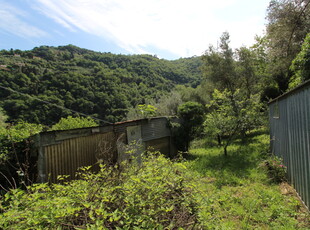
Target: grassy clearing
238	194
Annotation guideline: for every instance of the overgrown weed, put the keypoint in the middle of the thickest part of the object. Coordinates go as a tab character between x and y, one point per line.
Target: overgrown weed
240	192
154	193
209	191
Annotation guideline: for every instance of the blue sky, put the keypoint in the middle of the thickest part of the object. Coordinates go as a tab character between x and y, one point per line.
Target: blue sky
169	29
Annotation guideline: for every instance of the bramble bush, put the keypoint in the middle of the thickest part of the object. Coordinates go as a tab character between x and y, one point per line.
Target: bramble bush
276	169
153	194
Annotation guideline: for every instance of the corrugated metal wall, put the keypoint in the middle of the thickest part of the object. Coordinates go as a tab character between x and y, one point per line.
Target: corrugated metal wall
66	157
63	152
155	129
290	137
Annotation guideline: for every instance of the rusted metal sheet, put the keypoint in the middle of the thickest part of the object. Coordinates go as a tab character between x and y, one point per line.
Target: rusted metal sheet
66	157
290	137
63	152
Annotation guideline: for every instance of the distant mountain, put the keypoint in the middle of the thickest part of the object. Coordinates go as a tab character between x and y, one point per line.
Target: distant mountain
104	85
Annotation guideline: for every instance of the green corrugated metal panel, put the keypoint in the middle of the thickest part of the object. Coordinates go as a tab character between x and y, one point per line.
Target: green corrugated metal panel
290	137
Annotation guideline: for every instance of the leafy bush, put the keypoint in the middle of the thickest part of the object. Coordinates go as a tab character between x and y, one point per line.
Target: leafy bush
13	134
74	123
15	154
154	194
276	169
191	115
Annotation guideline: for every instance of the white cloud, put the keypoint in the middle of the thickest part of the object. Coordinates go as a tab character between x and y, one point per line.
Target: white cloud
184	28
12	21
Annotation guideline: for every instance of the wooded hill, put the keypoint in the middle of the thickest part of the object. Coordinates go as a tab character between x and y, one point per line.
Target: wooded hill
103	85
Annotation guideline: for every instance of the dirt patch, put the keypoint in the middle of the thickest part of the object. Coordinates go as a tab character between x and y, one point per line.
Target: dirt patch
286	189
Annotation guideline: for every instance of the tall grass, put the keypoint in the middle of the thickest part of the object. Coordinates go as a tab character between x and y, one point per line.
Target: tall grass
239	193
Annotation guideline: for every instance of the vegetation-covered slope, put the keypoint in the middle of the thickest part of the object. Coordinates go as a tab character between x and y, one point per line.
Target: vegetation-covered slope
210	191
104	85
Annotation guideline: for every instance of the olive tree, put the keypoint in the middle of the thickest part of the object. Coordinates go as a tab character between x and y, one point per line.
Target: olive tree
232	114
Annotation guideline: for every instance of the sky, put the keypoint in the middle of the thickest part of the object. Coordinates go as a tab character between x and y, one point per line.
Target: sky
169	29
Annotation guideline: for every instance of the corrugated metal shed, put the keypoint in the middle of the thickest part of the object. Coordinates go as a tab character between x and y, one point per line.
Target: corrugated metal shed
289	117
63	152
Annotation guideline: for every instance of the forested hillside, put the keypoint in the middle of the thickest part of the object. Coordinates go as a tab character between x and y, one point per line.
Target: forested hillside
103	85
110	87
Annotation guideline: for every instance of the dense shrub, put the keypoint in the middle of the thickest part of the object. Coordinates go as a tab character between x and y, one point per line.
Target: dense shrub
14	134
276	169
153	194
74	123
191	115
15	153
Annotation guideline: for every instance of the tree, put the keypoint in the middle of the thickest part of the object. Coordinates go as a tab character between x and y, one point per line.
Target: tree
231	115
219	65
168	104
301	64
267	86
191	115
102	85
246	71
288	24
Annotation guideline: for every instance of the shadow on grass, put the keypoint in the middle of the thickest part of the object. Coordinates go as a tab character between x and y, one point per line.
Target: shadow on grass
240	164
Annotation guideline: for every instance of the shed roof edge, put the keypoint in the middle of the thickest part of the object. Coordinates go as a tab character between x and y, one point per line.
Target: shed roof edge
305	84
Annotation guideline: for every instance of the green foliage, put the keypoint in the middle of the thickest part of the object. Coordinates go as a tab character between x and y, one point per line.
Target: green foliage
154	194
201	94
74	123
301	64
141	112
232	114
21	131
287	27
168	104
191	115
243	69
147	110
276	169
219	65
238	193
247	71
3	118
14	134
208	192
102	85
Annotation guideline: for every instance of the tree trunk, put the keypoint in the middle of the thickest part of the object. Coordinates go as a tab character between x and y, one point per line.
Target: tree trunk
219	140
225	150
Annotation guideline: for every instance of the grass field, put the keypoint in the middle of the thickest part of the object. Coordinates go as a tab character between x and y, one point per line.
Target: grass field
237	191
